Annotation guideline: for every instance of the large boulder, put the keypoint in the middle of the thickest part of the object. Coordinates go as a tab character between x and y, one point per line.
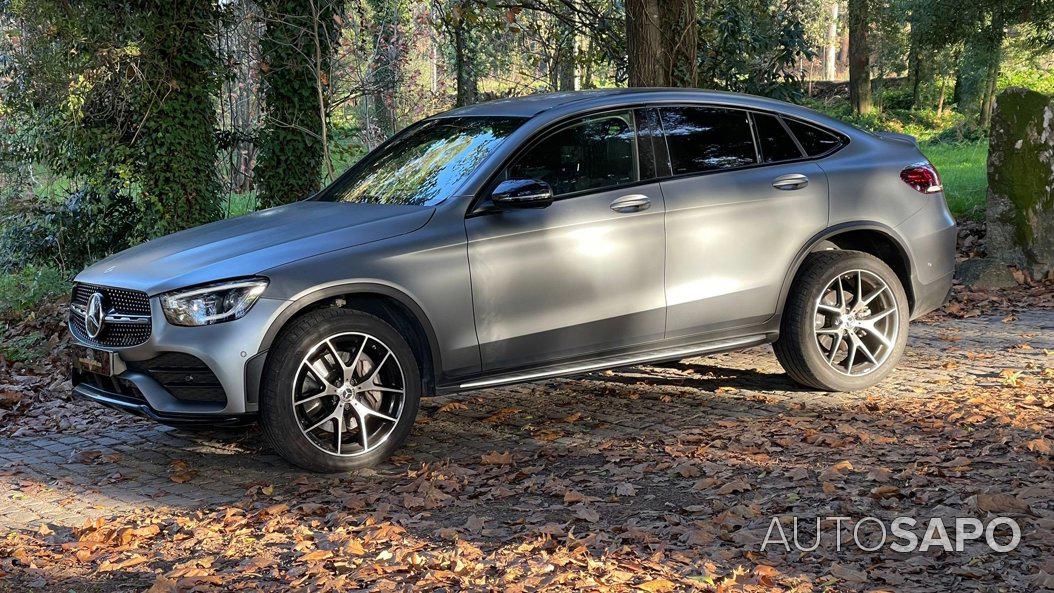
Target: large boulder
1020	214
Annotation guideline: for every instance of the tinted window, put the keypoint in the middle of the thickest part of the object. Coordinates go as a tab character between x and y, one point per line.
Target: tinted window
707	138
814	140
595	152
776	144
423	164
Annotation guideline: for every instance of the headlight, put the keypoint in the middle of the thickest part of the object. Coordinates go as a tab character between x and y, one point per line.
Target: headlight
213	303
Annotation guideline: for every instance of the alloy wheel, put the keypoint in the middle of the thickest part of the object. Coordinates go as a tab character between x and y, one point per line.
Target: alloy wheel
856	322
348	394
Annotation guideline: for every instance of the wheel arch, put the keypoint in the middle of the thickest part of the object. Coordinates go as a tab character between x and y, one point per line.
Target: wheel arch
873	238
387	302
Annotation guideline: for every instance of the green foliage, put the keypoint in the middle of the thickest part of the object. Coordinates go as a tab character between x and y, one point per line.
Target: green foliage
971	83
177	155
24	348
965	130
1027	66
119	95
924	124
297	50
980	29
346	146
70	234
24	290
73	79
1036	79
752	46
22	293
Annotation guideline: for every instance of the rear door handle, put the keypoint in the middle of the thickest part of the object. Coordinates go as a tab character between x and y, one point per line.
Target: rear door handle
631	203
789	182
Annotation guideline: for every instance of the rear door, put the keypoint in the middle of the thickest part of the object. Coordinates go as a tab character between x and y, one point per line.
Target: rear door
741	202
585	274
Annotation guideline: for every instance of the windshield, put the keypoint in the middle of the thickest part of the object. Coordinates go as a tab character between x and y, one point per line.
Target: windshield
424	164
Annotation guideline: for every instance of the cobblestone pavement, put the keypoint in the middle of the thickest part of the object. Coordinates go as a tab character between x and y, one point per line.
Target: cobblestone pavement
66	478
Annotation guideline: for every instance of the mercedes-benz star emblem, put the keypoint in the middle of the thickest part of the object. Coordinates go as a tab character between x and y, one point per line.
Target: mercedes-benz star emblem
94	317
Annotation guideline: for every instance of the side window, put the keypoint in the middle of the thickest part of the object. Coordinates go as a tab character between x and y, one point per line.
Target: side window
776	144
593	153
707	138
815	141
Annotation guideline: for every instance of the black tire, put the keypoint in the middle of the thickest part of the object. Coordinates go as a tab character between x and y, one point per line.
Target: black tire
277	417
798	349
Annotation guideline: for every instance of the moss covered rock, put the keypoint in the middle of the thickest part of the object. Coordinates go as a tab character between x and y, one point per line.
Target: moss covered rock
1020	214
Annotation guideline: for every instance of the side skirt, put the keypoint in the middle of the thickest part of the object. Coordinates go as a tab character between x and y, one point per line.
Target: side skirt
610	362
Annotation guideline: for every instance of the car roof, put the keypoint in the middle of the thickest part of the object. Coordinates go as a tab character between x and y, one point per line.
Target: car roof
568	102
532	105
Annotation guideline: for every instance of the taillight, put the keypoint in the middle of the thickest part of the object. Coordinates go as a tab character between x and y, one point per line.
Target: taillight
922	177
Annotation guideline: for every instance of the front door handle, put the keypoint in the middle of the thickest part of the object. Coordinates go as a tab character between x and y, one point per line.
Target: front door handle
631	203
789	182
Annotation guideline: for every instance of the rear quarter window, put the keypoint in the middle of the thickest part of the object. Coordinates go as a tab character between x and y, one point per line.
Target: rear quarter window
776	143
815	141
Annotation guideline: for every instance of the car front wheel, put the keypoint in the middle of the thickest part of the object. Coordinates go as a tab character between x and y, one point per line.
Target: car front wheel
845	323
341	391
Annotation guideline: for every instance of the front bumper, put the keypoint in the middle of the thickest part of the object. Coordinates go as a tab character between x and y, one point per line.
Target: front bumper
231	351
120	401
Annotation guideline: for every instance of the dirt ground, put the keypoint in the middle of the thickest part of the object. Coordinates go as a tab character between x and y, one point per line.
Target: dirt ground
653	478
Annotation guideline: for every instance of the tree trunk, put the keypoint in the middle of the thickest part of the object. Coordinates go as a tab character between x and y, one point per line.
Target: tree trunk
988	101
662	42
680	42
585	69
859	57
978	69
465	73
830	61
297	48
915	66
940	98
995	58
384	74
180	187
644	43
565	56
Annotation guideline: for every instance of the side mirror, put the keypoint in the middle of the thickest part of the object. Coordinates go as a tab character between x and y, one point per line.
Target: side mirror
522	193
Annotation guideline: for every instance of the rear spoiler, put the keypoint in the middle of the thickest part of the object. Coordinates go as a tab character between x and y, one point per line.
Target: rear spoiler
906	138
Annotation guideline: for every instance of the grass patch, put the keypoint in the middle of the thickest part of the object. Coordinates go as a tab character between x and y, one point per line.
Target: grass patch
239	204
26	289
24	348
964	173
22	292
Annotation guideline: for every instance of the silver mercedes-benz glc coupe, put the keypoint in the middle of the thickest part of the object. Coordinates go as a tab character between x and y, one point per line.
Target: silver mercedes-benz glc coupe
520	239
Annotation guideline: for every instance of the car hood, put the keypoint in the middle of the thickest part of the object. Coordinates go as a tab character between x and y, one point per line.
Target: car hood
248	244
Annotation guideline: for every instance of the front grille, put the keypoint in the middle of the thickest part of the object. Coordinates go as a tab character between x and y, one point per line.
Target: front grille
117	302
186	377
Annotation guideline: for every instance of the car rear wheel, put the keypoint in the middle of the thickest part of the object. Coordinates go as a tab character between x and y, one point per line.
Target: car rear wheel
845	323
341	393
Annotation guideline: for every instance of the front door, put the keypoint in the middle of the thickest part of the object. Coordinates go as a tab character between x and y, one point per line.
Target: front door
585	274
